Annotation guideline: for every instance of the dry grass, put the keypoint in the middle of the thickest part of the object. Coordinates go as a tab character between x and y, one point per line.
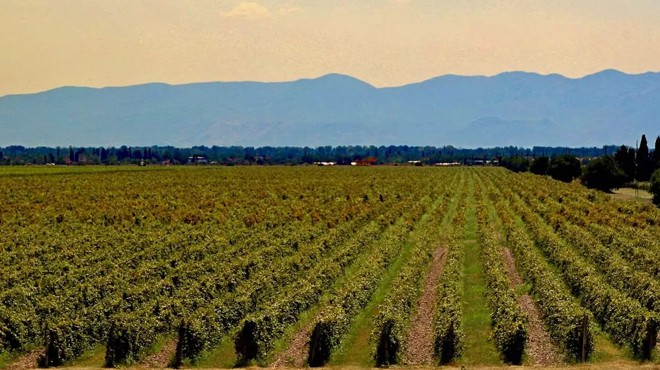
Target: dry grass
632	194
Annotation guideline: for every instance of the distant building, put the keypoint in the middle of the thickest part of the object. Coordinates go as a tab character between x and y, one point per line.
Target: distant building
197	159
370	161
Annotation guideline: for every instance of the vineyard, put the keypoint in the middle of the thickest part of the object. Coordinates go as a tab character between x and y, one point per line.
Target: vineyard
310	266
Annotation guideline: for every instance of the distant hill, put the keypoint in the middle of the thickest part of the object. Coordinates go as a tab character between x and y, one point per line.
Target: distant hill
514	108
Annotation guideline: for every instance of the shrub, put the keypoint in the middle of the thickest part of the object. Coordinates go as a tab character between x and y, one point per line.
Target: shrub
655	187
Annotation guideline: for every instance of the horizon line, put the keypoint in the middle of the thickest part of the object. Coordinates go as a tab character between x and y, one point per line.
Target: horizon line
342	75
444	146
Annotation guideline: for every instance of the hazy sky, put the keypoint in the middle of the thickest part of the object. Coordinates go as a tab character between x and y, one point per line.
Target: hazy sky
45	44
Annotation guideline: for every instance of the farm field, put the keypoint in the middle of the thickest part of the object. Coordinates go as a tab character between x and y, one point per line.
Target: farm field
219	267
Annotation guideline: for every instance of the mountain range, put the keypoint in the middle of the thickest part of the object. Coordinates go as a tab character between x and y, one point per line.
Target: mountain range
513	108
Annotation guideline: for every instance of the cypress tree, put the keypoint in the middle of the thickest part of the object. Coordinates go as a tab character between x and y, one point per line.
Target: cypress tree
643	161
656	153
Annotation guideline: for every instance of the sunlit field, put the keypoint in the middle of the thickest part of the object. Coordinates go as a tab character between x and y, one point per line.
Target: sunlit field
322	266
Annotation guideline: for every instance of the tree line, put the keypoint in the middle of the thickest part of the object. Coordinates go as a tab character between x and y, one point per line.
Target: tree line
627	165
239	155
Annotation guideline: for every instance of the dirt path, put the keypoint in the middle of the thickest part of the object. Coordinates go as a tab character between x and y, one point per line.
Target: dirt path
26	361
540	348
296	353
160	359
419	341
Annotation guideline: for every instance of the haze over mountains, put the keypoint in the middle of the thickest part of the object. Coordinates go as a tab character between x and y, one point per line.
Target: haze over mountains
514	108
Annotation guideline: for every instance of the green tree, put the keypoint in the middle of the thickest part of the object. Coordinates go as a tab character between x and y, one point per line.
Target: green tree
564	168
603	174
655	187
625	159
540	166
643	161
515	164
656	152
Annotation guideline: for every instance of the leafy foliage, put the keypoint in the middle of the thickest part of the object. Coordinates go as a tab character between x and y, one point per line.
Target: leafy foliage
564	168
567	323
354	294
515	164
125	256
448	337
623	318
625	160
655	187
508	320
129	336
540	166
391	323
603	174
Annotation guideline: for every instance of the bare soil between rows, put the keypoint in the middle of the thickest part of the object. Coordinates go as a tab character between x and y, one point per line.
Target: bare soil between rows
540	348
161	358
295	355
419	341
26	361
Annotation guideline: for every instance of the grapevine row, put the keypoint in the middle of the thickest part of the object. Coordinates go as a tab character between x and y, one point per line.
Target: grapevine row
508	320
448	337
391	322
567	323
335	318
622	317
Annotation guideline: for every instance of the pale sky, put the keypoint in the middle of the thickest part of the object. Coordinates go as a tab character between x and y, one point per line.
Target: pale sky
51	43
